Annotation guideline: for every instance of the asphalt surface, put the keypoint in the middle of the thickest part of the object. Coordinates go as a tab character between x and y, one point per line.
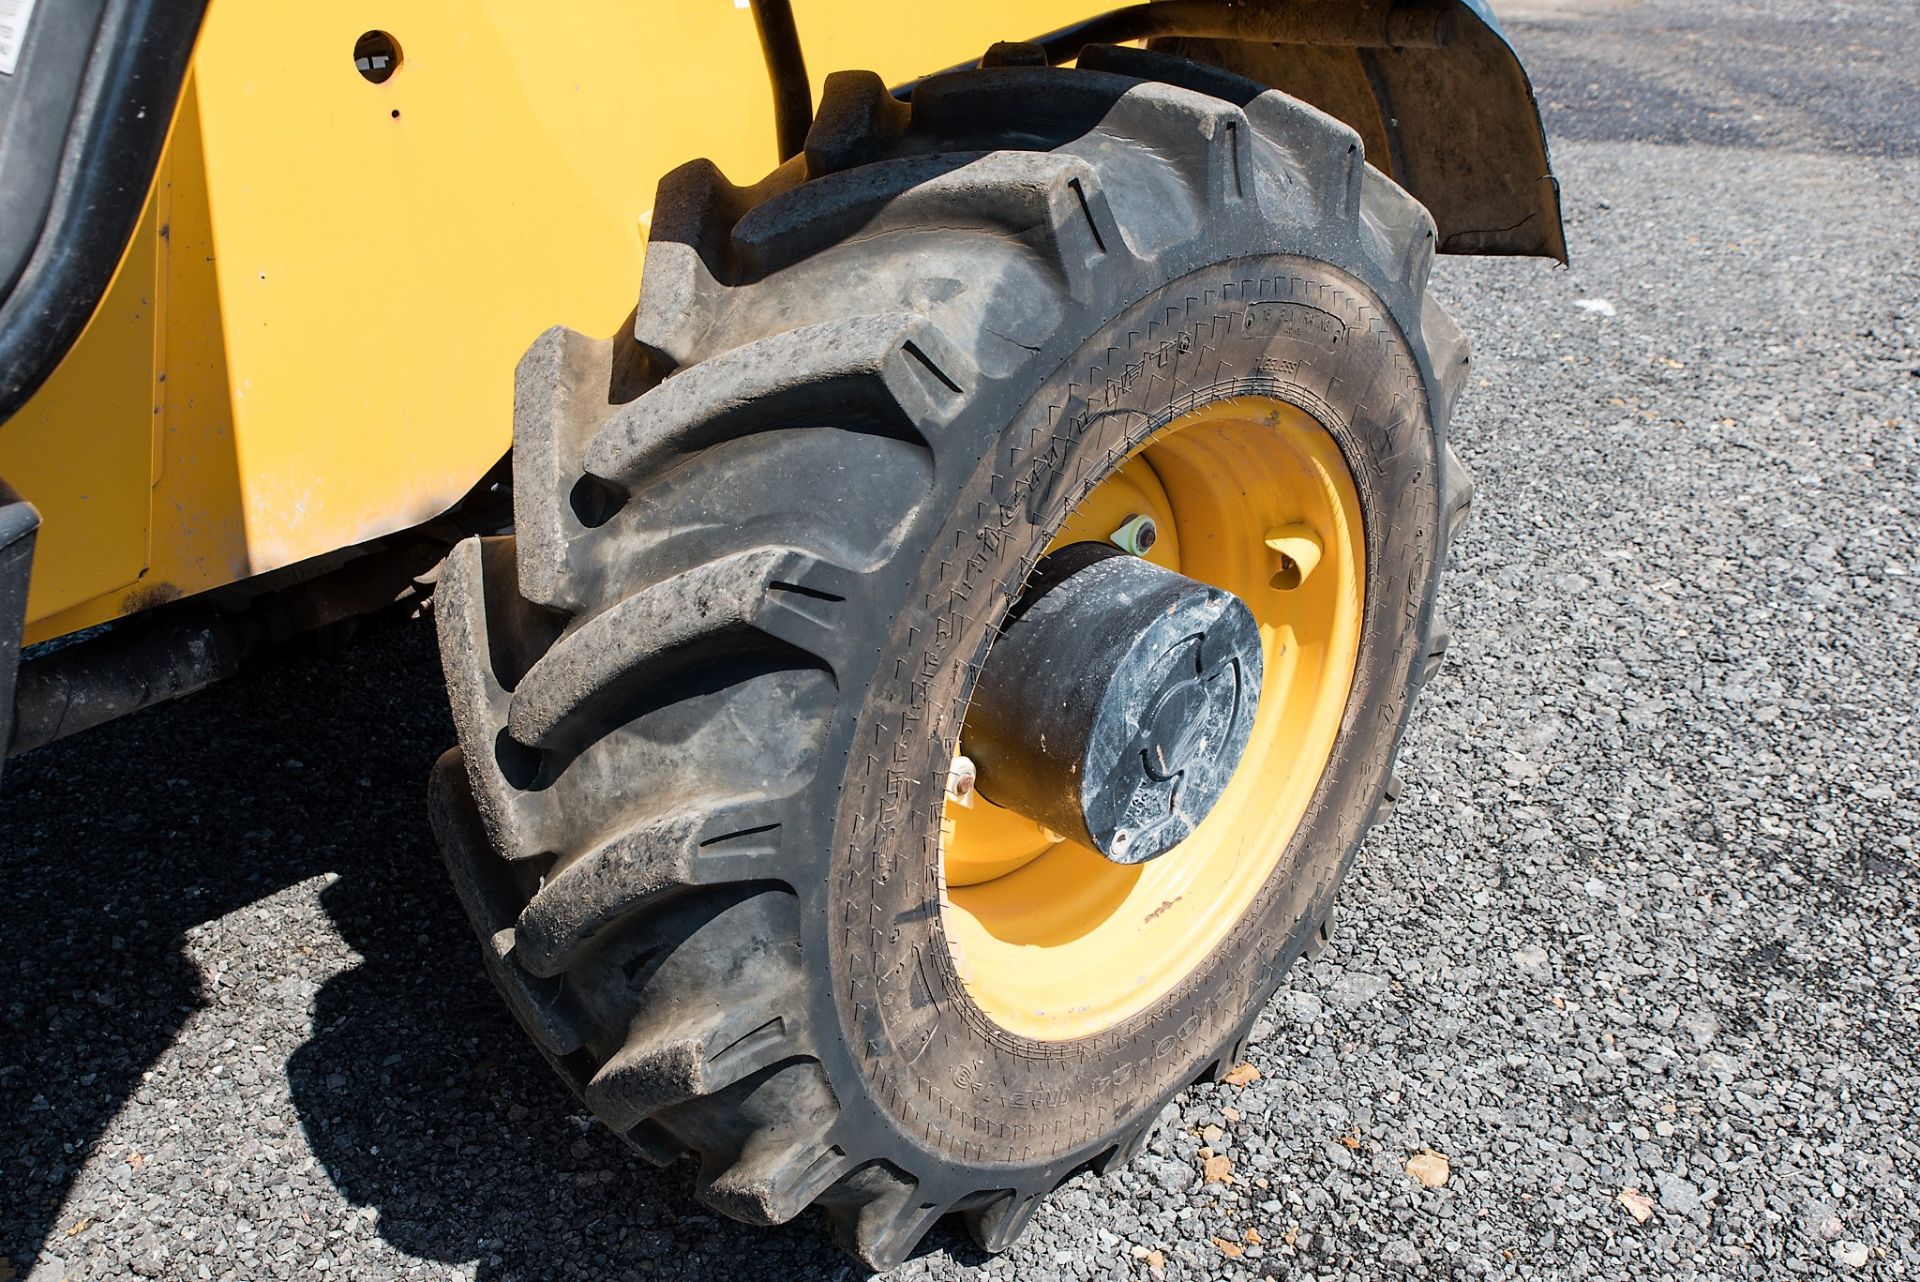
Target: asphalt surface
1639	955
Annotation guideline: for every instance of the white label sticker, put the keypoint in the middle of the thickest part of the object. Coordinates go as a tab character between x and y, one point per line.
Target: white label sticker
14	16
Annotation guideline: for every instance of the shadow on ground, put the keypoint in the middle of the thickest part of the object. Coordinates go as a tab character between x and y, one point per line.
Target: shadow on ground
413	1087
113	846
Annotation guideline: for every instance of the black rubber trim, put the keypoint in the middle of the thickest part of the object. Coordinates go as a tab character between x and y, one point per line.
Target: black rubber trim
18	522
787	68
37	102
119	127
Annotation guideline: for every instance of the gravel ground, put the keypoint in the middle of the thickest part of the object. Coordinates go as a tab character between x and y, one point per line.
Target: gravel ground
1638	955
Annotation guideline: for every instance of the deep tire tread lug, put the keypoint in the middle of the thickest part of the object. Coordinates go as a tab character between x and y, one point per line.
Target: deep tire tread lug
858	118
1210	139
1122	1154
891	374
1049	200
1456	495
778	1176
999	101
882	1230
1000	1223
1014	53
563	390
691	212
1319	148
652	860
780	593
1450	354
543	1007
1439	636
1390	795
515	820
1402	229
679	1052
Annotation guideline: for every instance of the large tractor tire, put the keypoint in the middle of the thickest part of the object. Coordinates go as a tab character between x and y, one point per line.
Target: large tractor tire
810	830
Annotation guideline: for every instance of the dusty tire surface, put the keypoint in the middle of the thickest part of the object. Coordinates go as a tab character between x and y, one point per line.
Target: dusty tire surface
706	693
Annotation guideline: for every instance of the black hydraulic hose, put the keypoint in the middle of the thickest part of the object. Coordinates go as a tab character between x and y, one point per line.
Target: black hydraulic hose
792	95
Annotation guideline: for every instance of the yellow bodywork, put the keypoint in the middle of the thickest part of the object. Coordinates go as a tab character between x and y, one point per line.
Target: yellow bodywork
311	338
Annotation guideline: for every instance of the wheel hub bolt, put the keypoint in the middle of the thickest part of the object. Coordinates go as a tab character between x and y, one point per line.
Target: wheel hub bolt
961	778
1136	536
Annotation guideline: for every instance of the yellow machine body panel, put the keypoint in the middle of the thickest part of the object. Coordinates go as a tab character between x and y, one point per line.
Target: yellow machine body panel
310	341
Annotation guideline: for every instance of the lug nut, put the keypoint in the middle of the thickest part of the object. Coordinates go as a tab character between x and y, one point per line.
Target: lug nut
961	778
1299	549
1136	536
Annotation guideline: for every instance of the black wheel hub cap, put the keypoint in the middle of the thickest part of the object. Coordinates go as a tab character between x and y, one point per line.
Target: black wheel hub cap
1116	703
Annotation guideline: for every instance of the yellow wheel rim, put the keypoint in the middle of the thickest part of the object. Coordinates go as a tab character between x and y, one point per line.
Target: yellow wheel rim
1054	942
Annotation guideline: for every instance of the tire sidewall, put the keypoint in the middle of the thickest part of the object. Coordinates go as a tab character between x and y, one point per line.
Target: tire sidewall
914	1044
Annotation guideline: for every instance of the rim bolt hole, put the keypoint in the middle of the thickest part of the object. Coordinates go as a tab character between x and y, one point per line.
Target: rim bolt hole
1298	546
